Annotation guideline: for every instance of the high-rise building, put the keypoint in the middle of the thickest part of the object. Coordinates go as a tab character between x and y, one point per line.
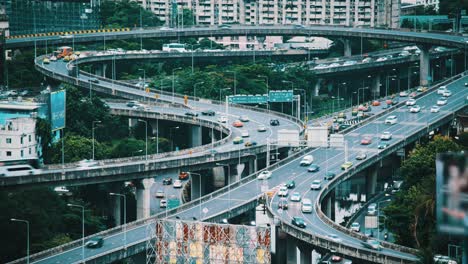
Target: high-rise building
369	13
37	16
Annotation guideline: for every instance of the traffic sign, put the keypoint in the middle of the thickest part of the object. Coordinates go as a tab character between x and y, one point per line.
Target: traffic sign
281	96
248	99
173	203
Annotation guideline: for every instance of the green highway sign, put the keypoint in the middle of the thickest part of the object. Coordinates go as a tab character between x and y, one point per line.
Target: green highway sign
173	203
248	99
281	96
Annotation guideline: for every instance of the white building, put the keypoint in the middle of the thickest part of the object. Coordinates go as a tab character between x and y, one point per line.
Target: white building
18	139
425	3
369	13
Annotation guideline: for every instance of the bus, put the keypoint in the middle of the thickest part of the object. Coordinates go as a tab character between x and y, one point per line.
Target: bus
174	47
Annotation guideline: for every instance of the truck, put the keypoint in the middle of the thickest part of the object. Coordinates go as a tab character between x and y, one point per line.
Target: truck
62	52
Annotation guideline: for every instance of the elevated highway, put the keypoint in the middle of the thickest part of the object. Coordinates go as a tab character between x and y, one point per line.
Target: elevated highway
242	195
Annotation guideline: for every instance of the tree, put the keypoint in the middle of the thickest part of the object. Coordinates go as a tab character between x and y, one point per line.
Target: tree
127	14
186	18
410	216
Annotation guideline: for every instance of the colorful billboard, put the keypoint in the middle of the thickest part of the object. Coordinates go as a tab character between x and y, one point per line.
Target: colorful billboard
179	241
57	110
452	193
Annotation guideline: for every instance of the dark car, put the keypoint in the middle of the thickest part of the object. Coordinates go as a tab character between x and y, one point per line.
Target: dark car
167	181
290	184
298	221
94	80
95	242
313	168
382	146
329	175
208	113
274	122
283	204
191	114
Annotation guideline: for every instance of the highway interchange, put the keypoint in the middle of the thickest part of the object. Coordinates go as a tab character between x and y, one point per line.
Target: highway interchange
408	123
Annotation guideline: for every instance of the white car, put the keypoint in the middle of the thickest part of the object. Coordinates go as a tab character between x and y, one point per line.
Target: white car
441	90
296	197
386	136
283	191
306	206
53	58
391	120
244	118
447	93
349	63
62	190
163	203
245	134
261	129
160	194
264	175
87	163
403	93
334	238
177	184
366	60
356	227
415	109
435	109
442	101
411	102
333	65
372	209
316	185
222	119
381	59
307	160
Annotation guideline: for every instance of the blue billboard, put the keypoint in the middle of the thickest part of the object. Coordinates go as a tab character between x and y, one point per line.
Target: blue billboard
57	110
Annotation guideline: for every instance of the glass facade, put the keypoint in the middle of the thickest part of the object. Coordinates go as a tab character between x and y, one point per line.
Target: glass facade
40	16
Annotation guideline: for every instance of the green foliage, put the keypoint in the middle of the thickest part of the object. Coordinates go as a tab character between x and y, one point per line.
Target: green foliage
117	14
452	7
44	132
21	72
410	216
49	218
186	18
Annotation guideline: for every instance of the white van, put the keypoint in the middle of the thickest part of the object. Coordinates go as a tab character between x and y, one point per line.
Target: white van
17	170
307	160
306	206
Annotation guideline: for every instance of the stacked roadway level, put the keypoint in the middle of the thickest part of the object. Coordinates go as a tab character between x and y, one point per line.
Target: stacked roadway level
243	194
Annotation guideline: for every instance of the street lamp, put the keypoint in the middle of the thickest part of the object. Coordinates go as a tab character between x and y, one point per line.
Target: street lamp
359	89
191	45
199	203
409	74
125	215
235	81
266	81
146	136
305	101
292	88
220	91
27	235
378	216
388	83
195	88
172	137
173	83
92	132
144	78
82	228
90	96
229	182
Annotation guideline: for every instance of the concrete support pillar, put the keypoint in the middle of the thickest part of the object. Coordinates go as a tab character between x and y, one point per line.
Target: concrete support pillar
330	86
240	169
196	139
104	69
252	165
219	178
330	205
376	83
116	203
197	186
424	66
143	196
371	182
347	47
305	254
291	249
317	87
98	71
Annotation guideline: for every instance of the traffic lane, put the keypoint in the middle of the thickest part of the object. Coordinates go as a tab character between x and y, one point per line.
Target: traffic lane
169	191
381	203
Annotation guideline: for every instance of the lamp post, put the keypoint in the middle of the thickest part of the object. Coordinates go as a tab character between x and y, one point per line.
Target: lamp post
144	79
235	81
171	130
191	46
92	128
378	216
146	137
388	83
199	204
305	101
125	215
229	182
27	235
90	95
220	92
292	88
82	228
266	81
359	89
195	88
173	83
409	74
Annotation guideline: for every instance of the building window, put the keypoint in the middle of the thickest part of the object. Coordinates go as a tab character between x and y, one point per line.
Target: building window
21	140
8	140
29	138
22	153
8	153
30	151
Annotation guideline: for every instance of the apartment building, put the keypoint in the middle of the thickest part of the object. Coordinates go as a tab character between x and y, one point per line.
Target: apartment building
369	13
18	139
